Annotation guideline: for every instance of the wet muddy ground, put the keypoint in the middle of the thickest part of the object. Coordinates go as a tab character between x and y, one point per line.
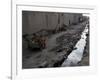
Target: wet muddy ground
59	46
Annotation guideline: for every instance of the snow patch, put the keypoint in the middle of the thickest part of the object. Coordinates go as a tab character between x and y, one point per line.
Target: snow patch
77	54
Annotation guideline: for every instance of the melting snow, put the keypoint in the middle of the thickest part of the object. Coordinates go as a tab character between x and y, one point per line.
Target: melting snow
76	55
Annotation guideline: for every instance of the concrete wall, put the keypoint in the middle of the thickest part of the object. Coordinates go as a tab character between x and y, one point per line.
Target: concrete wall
35	21
71	18
68	19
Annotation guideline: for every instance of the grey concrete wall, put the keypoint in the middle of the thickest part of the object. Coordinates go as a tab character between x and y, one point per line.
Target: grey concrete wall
76	18
71	18
68	19
35	21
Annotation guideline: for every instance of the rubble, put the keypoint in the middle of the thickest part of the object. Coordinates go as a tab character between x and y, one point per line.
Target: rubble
58	46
